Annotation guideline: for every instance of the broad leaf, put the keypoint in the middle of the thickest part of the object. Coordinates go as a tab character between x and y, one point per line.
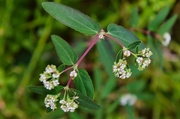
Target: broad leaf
167	25
160	17
126	37
133	45
84	83
43	91
64	50
72	18
85	101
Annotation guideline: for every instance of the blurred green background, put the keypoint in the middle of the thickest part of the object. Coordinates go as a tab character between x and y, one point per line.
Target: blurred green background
26	49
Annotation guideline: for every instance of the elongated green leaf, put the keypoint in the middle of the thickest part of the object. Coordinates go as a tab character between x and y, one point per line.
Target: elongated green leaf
64	50
160	17
126	37
133	45
85	101
84	83
167	25
43	91
72	18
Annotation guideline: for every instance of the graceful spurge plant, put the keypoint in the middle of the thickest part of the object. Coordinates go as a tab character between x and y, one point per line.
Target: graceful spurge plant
65	97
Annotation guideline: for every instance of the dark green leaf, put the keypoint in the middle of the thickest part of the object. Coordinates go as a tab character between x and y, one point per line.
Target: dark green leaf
125	36
61	67
133	45
84	101
160	17
167	25
72	18
43	91
64	50
84	83
119	55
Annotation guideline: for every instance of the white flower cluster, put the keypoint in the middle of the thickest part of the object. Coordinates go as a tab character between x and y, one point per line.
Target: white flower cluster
50	101
128	99
73	74
50	77
144	60
121	70
68	105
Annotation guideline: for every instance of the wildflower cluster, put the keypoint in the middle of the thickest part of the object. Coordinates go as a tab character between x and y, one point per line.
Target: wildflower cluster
143	59
50	77
50	101
121	68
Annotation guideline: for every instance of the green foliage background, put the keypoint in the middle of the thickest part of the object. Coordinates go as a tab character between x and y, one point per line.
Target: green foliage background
26	49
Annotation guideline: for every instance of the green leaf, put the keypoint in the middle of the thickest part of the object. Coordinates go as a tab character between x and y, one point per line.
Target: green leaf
160	17
119	55
64	50
84	83
126	37
85	101
43	91
72	18
133	45
167	25
61	67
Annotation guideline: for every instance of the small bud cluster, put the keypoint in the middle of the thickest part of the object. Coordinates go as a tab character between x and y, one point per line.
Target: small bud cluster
126	53
121	70
50	77
167	39
144	59
50	101
128	99
68	105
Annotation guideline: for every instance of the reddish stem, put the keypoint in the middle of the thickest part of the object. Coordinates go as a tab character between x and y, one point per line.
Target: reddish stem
69	82
96	38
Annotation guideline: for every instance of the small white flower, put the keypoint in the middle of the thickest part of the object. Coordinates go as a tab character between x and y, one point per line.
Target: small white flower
55	82
48	85
146	52
55	75
127	53
120	69
143	62
69	105
42	77
128	99
50	68
50	101
73	74
167	39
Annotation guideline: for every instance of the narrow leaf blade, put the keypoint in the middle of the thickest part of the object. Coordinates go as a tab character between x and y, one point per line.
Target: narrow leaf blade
167	25
84	83
72	18
85	101
133	45
64	50
160	17
126	37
